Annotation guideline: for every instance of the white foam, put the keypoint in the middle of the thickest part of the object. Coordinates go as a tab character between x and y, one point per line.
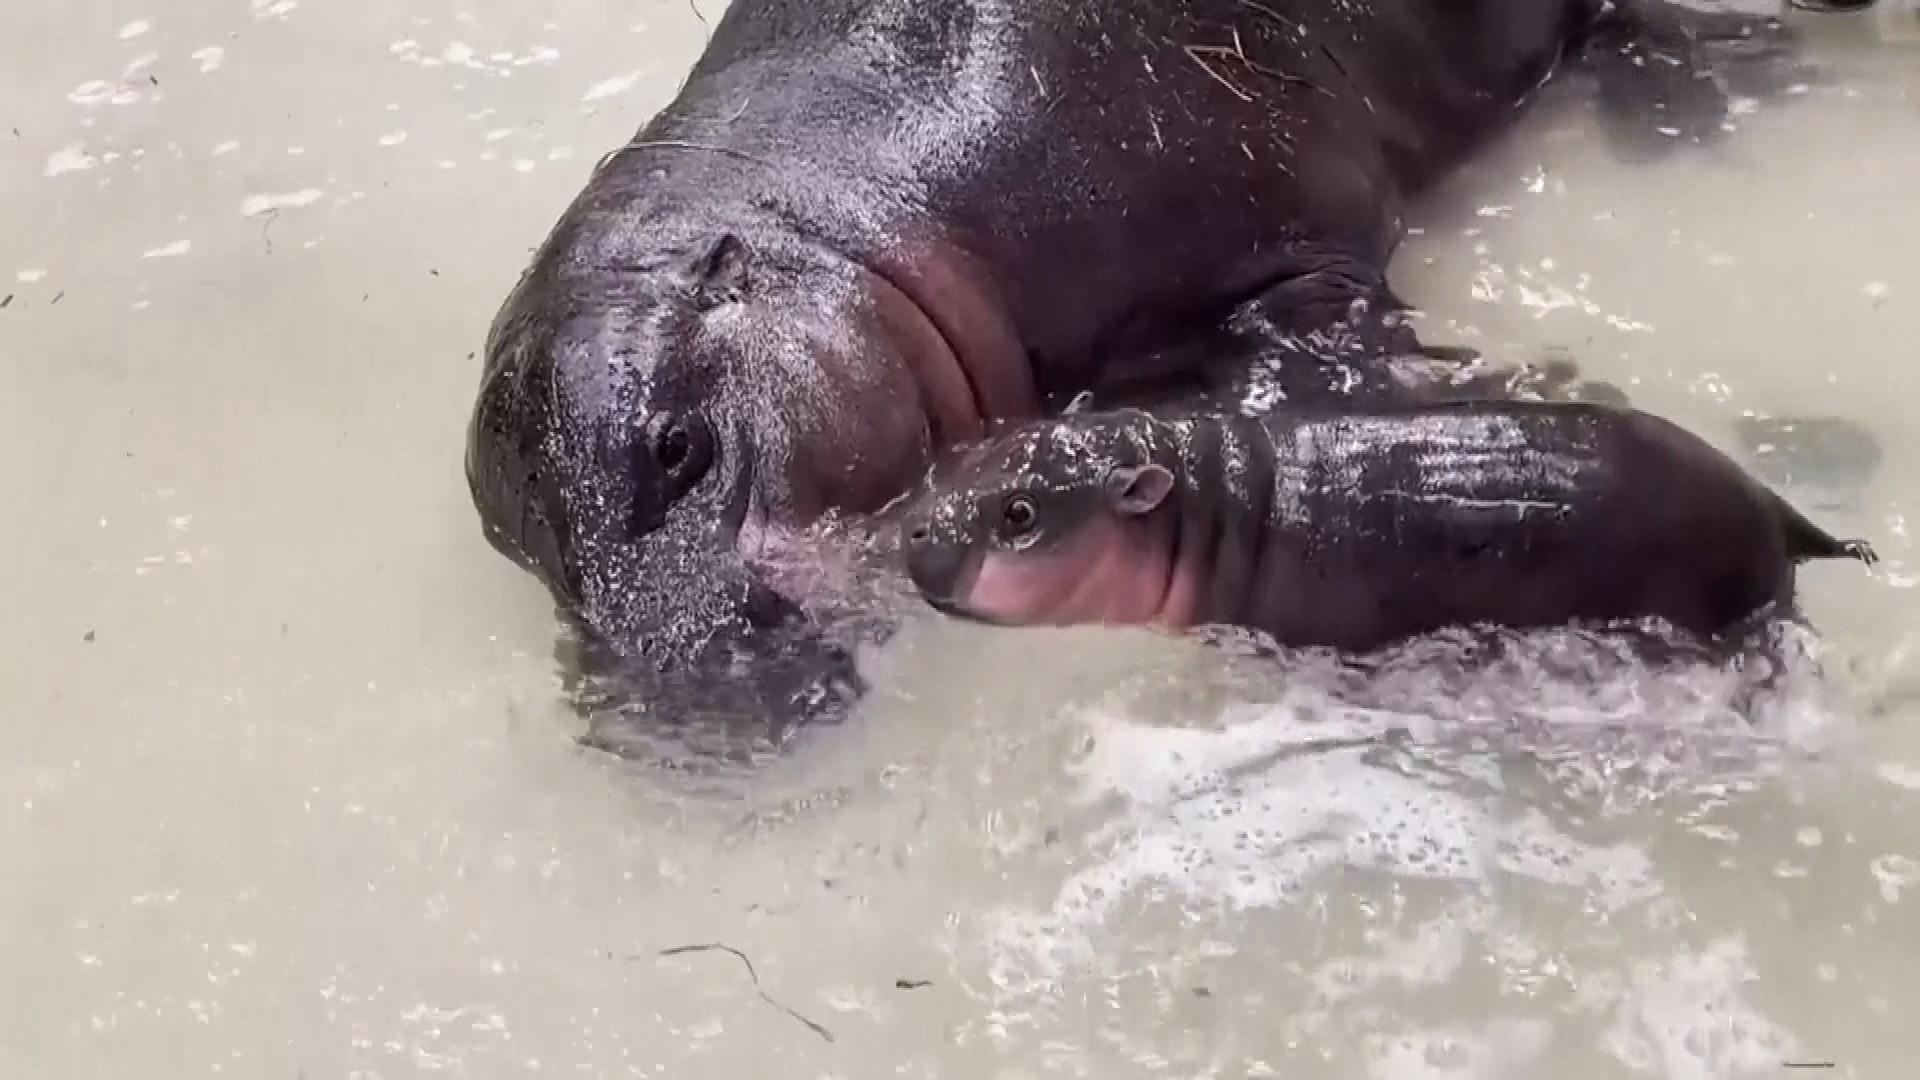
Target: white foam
255	205
70	158
1684	1019
91	92
606	88
210	58
1896	874
170	251
134	29
1503	1048
1899	775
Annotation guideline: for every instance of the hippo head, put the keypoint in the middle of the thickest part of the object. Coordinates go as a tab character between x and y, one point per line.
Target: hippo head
1052	523
658	406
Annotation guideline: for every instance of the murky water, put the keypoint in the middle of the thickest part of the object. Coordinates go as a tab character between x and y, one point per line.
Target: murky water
285	790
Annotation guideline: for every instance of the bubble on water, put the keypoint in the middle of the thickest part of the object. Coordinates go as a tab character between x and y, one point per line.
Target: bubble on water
1684	1019
1895	873
1431	956
1612	877
1357	764
1503	1047
393	138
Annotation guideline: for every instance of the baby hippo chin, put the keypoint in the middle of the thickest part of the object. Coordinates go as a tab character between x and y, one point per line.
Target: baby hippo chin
1356	530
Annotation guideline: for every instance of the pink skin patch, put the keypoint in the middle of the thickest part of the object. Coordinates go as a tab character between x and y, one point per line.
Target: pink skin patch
1115	571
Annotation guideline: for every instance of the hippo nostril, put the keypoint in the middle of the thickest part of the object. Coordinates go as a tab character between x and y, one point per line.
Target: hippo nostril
920	535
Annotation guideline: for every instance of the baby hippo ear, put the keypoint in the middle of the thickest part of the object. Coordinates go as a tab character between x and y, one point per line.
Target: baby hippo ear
1137	489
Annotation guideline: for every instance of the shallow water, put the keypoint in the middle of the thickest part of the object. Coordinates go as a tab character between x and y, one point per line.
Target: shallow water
286	790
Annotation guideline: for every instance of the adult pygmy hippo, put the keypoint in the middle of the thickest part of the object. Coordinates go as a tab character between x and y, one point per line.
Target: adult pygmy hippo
1358	530
865	229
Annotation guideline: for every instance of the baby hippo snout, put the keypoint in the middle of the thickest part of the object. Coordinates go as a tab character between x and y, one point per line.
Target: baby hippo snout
935	566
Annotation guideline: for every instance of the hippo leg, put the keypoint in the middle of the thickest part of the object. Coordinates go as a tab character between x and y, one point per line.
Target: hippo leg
1341	336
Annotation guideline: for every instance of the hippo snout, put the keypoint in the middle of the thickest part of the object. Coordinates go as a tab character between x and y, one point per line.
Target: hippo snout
936	568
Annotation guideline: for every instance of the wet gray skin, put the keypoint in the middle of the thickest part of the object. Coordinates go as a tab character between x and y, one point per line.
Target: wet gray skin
1357	530
865	229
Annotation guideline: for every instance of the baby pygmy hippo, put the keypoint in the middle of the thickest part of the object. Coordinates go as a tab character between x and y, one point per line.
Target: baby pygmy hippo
1357	530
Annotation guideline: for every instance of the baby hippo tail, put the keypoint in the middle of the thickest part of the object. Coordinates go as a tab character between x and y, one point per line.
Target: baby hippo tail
1806	541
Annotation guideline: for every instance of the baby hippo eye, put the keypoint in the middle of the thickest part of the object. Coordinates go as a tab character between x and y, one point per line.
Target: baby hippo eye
1018	517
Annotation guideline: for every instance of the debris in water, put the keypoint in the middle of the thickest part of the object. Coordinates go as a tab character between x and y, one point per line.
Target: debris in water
911	984
87	637
677	950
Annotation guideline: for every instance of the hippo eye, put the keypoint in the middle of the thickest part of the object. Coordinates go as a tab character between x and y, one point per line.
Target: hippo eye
1018	517
674	447
682	448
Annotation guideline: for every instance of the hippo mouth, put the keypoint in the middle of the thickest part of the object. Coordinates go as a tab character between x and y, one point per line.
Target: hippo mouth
952	608
708	621
702	640
943	575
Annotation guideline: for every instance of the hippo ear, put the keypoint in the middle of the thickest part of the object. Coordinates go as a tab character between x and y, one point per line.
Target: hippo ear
1081	402
1137	489
718	274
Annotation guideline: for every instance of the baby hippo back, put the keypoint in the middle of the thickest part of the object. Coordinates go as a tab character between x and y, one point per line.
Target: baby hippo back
1378	527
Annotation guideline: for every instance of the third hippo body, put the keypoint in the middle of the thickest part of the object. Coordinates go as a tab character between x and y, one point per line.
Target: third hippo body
1357	530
